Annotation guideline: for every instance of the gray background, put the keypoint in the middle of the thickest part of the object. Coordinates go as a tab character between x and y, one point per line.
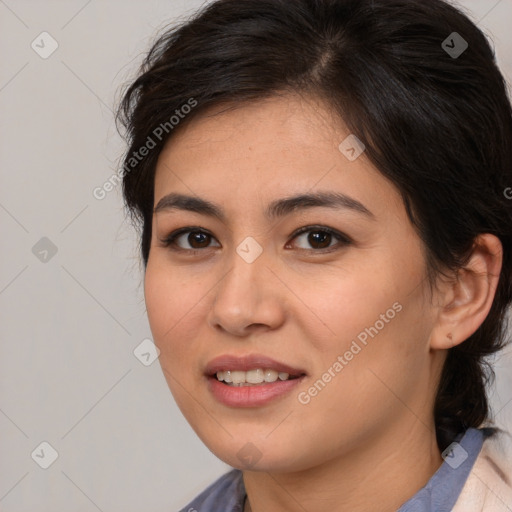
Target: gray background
70	324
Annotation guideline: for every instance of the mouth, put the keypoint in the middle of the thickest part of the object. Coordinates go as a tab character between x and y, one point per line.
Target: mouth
251	381
250	370
257	376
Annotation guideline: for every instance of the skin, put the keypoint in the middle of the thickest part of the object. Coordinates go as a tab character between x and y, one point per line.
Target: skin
367	440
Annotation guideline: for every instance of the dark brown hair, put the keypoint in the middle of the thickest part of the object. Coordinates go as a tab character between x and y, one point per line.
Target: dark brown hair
437	124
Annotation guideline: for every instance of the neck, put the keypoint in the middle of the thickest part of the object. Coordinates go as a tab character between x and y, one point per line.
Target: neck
379	474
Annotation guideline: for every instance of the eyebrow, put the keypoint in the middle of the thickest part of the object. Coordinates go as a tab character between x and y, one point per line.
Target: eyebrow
276	209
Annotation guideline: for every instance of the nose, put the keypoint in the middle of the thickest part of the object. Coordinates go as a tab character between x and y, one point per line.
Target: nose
247	299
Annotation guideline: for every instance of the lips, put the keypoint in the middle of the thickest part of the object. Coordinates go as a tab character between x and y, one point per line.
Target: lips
249	362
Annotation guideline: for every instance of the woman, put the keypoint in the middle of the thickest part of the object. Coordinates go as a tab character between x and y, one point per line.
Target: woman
326	237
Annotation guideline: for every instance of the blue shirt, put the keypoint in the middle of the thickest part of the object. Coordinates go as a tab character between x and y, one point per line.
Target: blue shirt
227	494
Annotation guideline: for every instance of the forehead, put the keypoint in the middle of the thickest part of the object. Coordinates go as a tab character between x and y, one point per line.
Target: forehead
274	147
280	123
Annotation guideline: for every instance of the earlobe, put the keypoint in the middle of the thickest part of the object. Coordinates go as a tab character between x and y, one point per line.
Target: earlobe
467	300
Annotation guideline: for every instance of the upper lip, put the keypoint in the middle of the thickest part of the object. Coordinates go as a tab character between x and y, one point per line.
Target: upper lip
249	362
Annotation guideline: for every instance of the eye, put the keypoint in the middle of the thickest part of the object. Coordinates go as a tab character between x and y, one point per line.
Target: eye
320	238
197	239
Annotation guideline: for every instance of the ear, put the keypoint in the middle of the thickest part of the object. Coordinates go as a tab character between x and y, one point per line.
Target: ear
464	302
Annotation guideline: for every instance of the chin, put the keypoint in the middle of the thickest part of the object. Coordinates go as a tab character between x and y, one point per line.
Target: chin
257	453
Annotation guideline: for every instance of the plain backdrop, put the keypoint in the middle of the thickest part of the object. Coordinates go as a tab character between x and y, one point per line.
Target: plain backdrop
71	295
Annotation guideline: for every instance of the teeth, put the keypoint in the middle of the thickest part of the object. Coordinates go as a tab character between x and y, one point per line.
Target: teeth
271	375
238	377
256	376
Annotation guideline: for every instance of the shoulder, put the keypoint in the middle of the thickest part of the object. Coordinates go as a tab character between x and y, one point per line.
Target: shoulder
226	494
489	484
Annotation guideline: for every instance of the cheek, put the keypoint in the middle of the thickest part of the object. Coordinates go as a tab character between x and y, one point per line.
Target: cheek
359	386
158	297
168	300
376	321
343	304
172	308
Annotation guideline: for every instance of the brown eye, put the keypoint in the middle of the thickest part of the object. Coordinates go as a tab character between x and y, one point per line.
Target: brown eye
196	240
317	239
197	237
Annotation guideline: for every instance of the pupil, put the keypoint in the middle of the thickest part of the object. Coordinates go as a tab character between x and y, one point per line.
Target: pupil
200	238
319	237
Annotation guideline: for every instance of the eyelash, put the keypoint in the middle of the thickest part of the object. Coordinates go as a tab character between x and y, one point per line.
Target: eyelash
343	240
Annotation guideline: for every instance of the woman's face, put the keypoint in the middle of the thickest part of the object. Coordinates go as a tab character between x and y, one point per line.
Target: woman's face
348	311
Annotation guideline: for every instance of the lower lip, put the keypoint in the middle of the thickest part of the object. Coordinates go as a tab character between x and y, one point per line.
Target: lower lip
251	396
